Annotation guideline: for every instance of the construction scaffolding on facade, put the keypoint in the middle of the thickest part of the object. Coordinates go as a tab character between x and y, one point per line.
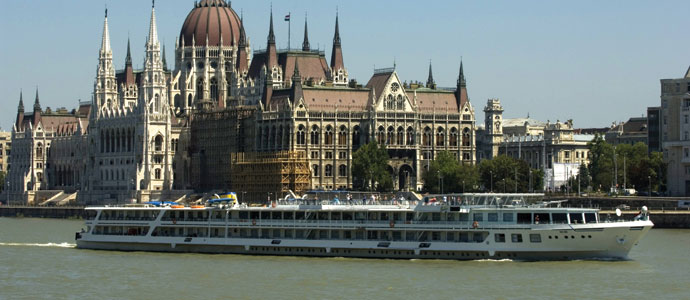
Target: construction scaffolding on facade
256	177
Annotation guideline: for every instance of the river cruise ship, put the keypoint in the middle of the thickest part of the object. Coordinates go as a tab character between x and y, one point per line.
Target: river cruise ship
460	227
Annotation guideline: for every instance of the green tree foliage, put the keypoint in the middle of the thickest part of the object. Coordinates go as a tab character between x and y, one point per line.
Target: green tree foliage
601	163
2	180
507	174
370	168
445	171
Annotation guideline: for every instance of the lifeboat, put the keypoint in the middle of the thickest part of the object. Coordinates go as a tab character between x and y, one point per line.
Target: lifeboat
177	206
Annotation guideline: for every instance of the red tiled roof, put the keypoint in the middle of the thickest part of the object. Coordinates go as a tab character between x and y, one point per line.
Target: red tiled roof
434	100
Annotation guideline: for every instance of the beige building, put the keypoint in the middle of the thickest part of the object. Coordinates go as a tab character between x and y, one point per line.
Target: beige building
675	131
5	149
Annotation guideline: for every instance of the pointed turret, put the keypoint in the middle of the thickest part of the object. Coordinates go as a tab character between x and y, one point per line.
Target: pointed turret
296	92
128	59
20	111
461	89
105	89
271	55
153	31
337	53
129	70
165	63
305	43
271	35
241	63
430	80
105	42
37	109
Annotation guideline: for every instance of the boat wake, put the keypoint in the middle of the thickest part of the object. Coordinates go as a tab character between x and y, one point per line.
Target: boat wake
57	245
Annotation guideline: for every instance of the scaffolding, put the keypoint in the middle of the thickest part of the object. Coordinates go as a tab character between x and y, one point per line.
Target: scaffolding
259	176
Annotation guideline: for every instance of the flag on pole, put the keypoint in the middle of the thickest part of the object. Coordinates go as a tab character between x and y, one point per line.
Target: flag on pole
287	18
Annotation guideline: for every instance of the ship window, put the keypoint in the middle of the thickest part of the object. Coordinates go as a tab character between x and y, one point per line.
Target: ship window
500	238
575	218
436	217
507	217
590	217
244	215
276	215
478	217
524	218
287	215
516	238
493	217
559	218
535	238
265	215
541	218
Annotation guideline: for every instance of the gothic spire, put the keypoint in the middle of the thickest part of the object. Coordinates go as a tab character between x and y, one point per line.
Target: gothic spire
461	77
243	36
305	44
165	63
336	37
21	101
295	74
153	31
430	81
37	103
337	53
105	42
128	59
271	35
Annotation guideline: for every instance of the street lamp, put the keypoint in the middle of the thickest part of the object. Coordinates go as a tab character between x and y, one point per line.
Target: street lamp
491	189
504	185
530	180
649	177
463	185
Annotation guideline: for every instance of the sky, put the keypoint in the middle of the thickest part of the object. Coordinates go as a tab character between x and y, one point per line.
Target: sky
595	62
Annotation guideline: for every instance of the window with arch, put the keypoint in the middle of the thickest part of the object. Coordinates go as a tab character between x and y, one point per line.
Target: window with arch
328	136
314	136
39	150
189	100
440	137
342	136
380	135
272	137
400	140
401	103
200	89
390	105
158	173
453	141
214	89
301	135
328	171
158	143
390	139
315	170
156	103
355	136
410	136
342	171
466	138
426	137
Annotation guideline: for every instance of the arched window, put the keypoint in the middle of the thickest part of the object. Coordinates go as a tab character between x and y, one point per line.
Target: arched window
328	171
189	100
453	137
440	137
328	136
200	89
279	137
381	135
389	103
301	135
272	137
466	139
410	136
401	103
342	136
400	140
315	170
314	136
158	174
214	89
342	171
355	136
39	150
158	143
156	103
390	139
426	138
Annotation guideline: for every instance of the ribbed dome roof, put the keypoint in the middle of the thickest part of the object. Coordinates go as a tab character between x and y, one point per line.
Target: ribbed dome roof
211	19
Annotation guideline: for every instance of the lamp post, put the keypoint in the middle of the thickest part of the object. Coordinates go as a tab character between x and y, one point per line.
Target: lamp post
530	180
463	185
7	191
504	185
649	177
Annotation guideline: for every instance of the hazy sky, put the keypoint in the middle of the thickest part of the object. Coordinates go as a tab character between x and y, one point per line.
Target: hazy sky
593	61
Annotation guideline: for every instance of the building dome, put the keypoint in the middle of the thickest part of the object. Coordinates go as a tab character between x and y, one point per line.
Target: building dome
211	19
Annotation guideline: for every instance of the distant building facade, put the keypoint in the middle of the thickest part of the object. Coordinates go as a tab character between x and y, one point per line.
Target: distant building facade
5	150
675	133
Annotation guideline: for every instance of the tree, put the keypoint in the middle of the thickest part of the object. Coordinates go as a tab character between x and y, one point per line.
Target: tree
370	168
507	174
601	162
453	176
2	180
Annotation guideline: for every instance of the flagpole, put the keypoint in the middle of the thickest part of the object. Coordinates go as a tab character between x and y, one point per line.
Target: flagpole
289	25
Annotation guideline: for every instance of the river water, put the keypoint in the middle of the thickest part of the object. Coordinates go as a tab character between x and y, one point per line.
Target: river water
38	260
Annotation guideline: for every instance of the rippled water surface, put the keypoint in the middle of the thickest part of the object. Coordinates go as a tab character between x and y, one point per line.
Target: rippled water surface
38	260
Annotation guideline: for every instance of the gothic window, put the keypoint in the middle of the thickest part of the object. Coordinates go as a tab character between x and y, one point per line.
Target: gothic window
158	174
39	150
39	176
301	135
440	137
129	140
389	103
466	137
158	143
453	137
390	138
279	137
328	171
401	136
380	135
189	100
355	136
401	103
315	170
342	136
410	136
200	89
102	141
426	138
342	171
214	89
156	103
272	137
328	137
314	135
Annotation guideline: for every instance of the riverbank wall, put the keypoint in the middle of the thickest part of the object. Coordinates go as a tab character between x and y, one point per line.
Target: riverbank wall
55	212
